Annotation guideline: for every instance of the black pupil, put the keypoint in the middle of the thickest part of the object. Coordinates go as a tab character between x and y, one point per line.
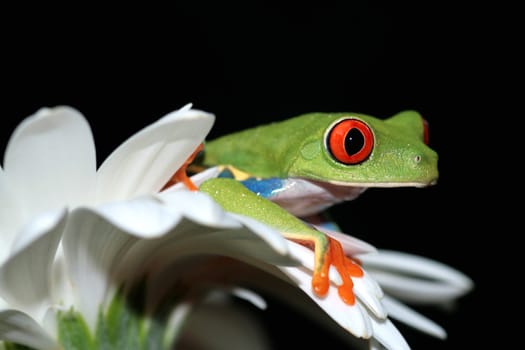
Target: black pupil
354	141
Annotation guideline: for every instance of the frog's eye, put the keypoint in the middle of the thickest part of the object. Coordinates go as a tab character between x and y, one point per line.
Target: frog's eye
350	141
425	131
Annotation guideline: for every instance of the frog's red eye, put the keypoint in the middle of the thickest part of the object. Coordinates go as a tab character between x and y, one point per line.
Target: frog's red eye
350	141
425	131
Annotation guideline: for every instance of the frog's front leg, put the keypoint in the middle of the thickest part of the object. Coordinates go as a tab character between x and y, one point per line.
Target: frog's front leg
235	197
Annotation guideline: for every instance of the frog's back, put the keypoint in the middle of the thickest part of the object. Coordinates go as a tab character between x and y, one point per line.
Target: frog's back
265	150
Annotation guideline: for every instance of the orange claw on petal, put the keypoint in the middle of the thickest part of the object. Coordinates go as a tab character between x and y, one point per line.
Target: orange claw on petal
181	175
321	279
345	266
353	268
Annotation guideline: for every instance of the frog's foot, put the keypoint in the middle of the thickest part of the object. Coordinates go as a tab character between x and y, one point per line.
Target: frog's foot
345	266
181	174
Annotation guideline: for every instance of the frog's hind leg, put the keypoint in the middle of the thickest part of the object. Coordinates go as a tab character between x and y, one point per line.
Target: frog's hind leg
181	174
329	252
236	198
321	246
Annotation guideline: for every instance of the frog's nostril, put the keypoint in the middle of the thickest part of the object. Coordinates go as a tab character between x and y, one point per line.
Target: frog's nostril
417	159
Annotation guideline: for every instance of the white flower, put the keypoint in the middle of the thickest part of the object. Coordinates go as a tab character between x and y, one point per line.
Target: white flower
405	277
70	235
74	239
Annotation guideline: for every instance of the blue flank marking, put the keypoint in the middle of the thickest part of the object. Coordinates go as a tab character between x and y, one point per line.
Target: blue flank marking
263	187
330	225
226	173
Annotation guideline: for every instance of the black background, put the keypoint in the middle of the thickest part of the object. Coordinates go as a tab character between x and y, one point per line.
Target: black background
257	62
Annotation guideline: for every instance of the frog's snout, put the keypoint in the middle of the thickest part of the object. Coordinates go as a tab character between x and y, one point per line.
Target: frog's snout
426	165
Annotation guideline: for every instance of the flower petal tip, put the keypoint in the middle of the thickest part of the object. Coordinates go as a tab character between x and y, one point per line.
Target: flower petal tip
38	226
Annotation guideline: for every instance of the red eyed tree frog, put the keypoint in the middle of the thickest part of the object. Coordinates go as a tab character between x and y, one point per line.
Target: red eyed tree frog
283	172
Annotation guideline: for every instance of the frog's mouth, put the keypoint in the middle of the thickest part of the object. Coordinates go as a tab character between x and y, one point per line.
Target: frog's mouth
304	197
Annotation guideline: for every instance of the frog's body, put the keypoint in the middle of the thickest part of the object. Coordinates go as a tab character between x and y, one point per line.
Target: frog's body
289	162
298	167
299	196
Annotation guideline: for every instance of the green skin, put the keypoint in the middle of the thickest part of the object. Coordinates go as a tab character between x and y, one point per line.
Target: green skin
296	148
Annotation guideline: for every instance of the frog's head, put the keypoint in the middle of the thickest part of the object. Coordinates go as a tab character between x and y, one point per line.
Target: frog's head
363	151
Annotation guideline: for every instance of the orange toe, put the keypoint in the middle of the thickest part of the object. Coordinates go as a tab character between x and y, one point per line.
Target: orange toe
181	174
321	278
346	267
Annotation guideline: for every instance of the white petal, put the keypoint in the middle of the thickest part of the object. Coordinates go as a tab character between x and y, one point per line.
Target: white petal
175	256
351	245
198	207
388	335
368	296
371	285
306	258
50	160
268	234
146	161
208	212
123	241
176	319
250	296
18	327
412	318
91	246
415	278
197	179
61	288
352	318
143	217
39	226
25	277
225	293
10	216
366	288
375	345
